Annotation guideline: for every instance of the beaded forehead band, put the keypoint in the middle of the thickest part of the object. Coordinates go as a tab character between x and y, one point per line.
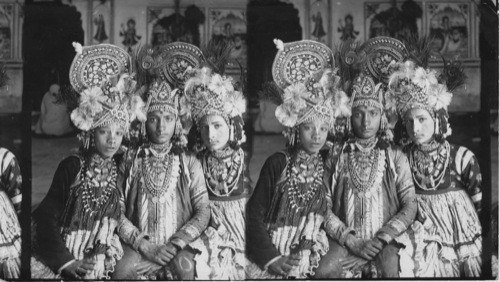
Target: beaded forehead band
162	98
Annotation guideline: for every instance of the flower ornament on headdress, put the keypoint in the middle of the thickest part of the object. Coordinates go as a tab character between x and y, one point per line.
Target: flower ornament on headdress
416	87
209	91
99	73
307	84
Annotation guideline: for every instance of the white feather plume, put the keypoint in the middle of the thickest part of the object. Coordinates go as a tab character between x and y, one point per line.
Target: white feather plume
78	47
279	44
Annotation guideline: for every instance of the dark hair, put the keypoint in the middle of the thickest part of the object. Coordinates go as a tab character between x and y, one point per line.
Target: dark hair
130	21
348	16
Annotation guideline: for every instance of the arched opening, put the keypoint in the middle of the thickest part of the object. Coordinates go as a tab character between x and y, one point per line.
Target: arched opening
264	25
49	29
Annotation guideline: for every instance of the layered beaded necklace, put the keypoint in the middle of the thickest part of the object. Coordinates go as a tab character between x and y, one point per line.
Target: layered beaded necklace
99	181
306	172
222	170
428	164
363	162
157	169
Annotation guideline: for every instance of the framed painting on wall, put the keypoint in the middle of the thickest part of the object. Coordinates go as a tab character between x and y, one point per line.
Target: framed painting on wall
168	24
450	27
101	22
394	19
319	19
230	25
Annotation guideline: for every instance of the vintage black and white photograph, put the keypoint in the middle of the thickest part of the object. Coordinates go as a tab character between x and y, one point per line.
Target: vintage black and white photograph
189	140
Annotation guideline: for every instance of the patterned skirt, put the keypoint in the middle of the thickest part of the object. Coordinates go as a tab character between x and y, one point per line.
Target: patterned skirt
446	238
10	239
287	236
77	242
224	241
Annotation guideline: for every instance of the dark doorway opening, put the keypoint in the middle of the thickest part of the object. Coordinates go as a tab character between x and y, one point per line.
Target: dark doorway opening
49	29
267	20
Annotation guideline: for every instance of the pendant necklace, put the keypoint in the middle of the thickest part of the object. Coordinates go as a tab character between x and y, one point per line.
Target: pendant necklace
222	170
306	172
99	181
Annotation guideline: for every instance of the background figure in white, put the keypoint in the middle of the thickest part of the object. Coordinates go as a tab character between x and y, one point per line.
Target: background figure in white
54	117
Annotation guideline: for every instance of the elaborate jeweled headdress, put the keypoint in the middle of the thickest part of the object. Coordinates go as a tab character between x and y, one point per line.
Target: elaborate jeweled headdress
413	85
209	91
304	72
212	93
416	87
168	68
366	93
370	64
100	74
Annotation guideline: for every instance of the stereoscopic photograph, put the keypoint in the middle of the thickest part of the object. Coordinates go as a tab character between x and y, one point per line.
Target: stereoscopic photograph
248	140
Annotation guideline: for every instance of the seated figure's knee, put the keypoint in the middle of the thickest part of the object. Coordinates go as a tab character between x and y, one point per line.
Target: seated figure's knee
183	265
330	265
125	267
388	261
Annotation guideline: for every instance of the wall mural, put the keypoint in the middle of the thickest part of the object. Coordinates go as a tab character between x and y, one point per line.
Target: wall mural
394	19
101	22
170	24
319	21
129	34
230	25
347	28
448	25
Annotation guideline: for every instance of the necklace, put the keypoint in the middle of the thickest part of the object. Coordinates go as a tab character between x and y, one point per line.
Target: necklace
362	168
99	181
223	153
429	166
366	143
306	172
222	174
428	147
157	171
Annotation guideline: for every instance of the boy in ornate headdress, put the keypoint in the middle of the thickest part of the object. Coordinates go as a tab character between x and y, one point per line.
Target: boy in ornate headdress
77	219
217	108
372	190
447	233
165	200
288	208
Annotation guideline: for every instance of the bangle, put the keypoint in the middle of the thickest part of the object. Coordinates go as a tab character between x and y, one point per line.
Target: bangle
177	247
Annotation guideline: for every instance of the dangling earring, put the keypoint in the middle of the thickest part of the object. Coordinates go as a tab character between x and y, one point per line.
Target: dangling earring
436	126
383	122
143	134
296	138
290	133
231	131
92	141
178	127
